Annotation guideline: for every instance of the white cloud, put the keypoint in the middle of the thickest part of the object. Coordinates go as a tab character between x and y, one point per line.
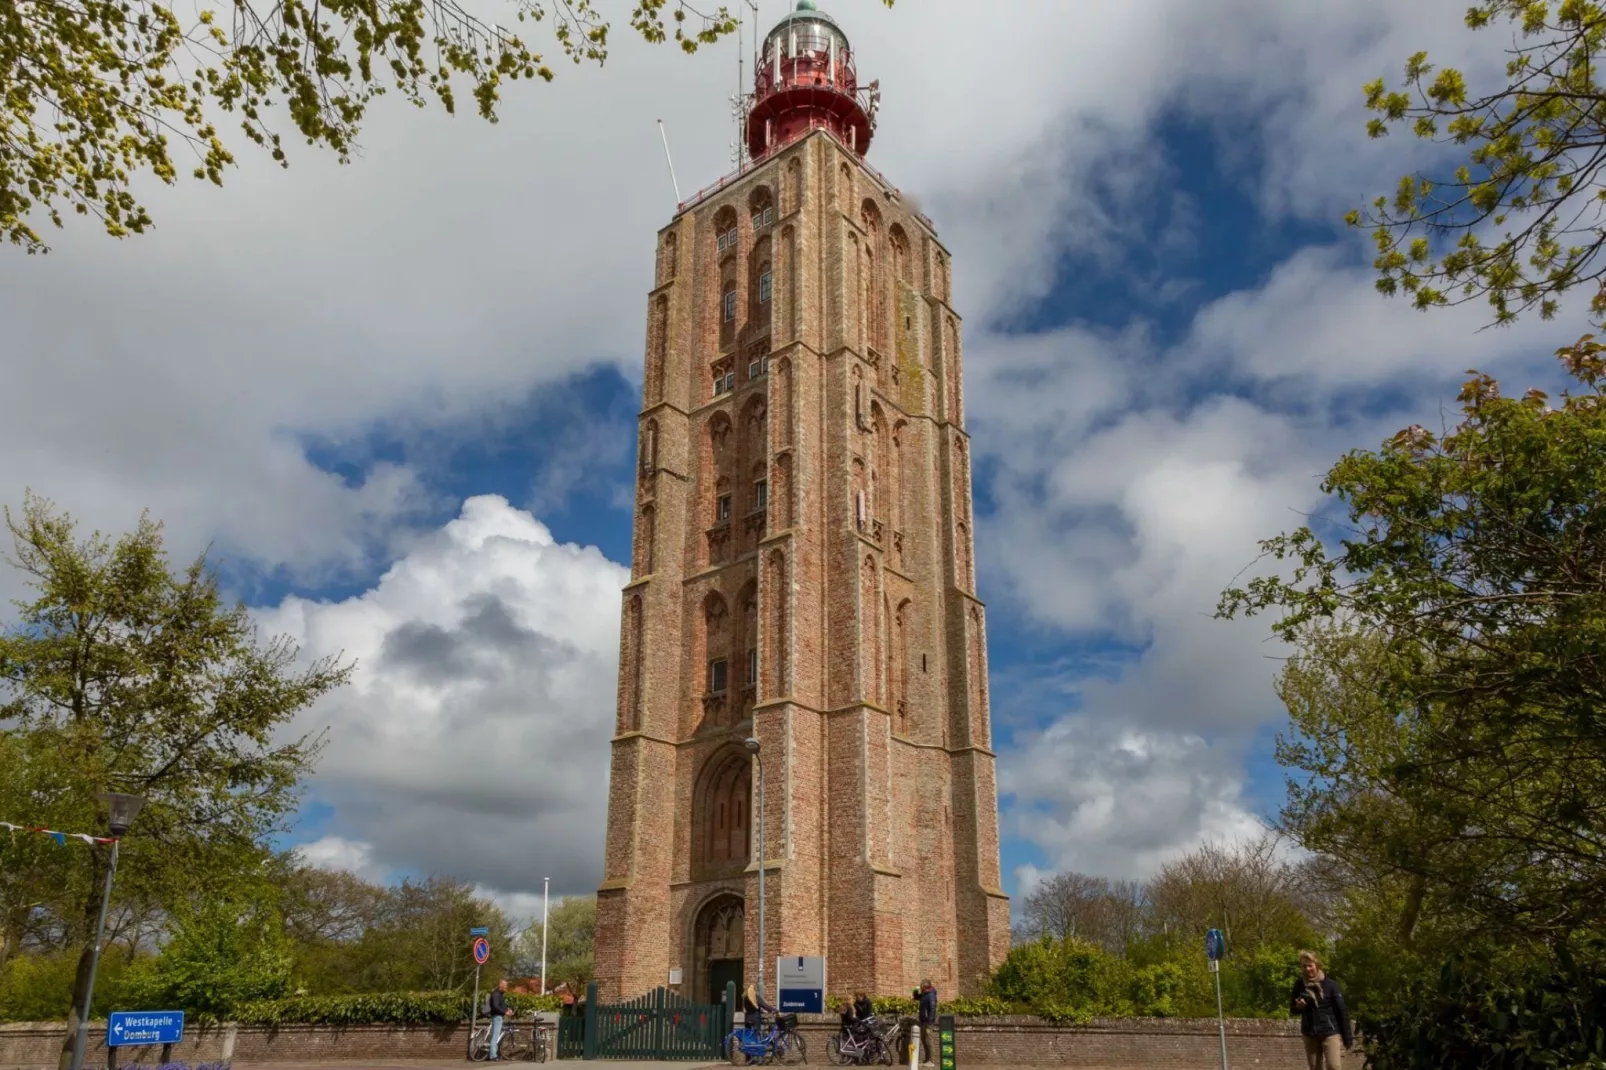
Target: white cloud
339	853
473	739
455	266
1118	802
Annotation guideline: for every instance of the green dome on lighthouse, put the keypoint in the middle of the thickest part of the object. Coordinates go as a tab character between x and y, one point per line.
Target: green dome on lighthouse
805	5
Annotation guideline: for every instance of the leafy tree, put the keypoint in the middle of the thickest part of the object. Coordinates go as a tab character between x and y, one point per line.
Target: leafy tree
143	680
1519	221
1101	911
1498	1009
1449	697
224	951
1244	889
571	938
101	90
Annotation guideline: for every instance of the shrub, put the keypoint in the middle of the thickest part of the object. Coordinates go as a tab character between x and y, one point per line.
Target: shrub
1497	1012
1064	979
38	988
388	1008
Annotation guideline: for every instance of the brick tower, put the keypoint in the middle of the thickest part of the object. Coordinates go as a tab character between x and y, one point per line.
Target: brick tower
802	575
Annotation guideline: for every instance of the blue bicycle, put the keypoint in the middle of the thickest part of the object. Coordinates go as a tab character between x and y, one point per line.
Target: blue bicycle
781	1042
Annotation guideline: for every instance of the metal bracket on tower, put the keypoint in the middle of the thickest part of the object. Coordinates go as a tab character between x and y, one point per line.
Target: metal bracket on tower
740	103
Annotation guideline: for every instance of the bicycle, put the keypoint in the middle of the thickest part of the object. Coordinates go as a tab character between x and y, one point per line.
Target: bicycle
509	1048
872	1043
782	1042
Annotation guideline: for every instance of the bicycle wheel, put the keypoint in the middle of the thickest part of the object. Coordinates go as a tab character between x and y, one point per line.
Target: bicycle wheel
507	1047
479	1046
733	1049
833	1050
538	1049
887	1053
793	1050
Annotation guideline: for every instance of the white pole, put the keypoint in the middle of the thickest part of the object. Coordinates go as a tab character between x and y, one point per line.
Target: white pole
669	161
760	875
546	888
1215	968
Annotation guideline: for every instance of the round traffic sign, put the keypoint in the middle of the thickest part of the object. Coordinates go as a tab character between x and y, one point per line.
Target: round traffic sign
482	950
1215	944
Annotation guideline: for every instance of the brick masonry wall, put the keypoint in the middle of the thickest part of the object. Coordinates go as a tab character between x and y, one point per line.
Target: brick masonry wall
1115	1044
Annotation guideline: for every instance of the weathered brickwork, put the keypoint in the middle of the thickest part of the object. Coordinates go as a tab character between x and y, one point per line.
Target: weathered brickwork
803	573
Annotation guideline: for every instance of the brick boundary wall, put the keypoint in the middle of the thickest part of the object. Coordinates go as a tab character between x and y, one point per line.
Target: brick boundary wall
1104	1044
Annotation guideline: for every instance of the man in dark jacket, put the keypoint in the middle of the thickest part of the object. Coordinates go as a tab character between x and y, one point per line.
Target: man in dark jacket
927	997
1323	1018
496	1006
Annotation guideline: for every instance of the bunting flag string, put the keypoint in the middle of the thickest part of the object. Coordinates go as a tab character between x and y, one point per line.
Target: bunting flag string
61	838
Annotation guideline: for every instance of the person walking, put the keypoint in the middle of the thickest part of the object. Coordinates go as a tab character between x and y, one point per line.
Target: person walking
496	1006
1323	1018
927	1018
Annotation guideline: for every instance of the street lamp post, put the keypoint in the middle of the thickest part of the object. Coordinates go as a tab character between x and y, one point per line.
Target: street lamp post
122	811
546	890
752	745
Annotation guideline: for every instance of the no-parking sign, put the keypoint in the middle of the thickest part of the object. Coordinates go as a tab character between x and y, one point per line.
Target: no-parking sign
482	950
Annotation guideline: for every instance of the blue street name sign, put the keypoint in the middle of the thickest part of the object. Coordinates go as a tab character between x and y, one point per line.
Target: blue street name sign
144	1027
1215	945
479	930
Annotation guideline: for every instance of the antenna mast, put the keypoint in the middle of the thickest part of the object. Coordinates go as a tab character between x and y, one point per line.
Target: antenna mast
670	162
741	98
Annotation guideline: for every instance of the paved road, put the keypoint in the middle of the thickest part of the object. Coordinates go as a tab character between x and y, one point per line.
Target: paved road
460	1064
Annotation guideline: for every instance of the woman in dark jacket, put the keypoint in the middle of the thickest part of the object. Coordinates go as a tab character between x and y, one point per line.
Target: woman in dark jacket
1323	1018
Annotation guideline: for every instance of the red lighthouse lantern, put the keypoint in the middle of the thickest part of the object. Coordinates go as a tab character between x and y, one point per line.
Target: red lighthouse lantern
806	81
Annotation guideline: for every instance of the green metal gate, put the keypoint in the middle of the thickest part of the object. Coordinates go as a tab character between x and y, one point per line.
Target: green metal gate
657	1026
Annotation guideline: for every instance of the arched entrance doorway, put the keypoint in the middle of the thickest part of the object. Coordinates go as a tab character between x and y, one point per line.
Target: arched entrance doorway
717	947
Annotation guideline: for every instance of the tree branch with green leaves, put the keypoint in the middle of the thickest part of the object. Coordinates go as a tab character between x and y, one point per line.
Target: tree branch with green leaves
1520	221
1448	690
97	92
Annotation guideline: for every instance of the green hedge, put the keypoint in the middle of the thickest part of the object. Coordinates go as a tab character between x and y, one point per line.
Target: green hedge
380	1008
1510	1010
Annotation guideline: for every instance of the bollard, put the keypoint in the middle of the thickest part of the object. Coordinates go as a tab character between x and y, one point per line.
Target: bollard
914	1045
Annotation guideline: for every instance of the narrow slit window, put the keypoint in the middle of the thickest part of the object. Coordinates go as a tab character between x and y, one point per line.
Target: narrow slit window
730	305
723	507
717	676
764	288
761	494
752	667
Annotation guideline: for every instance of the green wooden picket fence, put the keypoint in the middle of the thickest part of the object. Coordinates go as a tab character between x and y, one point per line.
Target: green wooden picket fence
657	1026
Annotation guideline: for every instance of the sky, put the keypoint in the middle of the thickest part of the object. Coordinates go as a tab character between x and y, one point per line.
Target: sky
397	401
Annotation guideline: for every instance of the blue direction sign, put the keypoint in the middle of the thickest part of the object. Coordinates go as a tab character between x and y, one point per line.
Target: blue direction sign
144	1027
1215	945
482	950
479	930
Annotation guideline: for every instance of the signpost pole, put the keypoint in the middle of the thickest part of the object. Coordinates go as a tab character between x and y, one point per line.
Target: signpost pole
1221	1021
482	953
81	1039
474	1011
1215	947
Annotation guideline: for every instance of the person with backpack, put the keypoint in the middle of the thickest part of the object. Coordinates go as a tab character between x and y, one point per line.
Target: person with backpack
1323	1018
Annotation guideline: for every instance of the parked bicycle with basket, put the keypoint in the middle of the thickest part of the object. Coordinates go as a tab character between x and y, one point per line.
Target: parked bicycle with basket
778	1042
868	1042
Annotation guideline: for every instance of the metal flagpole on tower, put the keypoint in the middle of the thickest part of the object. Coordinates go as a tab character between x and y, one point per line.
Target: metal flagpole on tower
670	162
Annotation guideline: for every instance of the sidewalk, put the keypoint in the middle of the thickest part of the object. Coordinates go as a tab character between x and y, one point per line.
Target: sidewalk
463	1064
